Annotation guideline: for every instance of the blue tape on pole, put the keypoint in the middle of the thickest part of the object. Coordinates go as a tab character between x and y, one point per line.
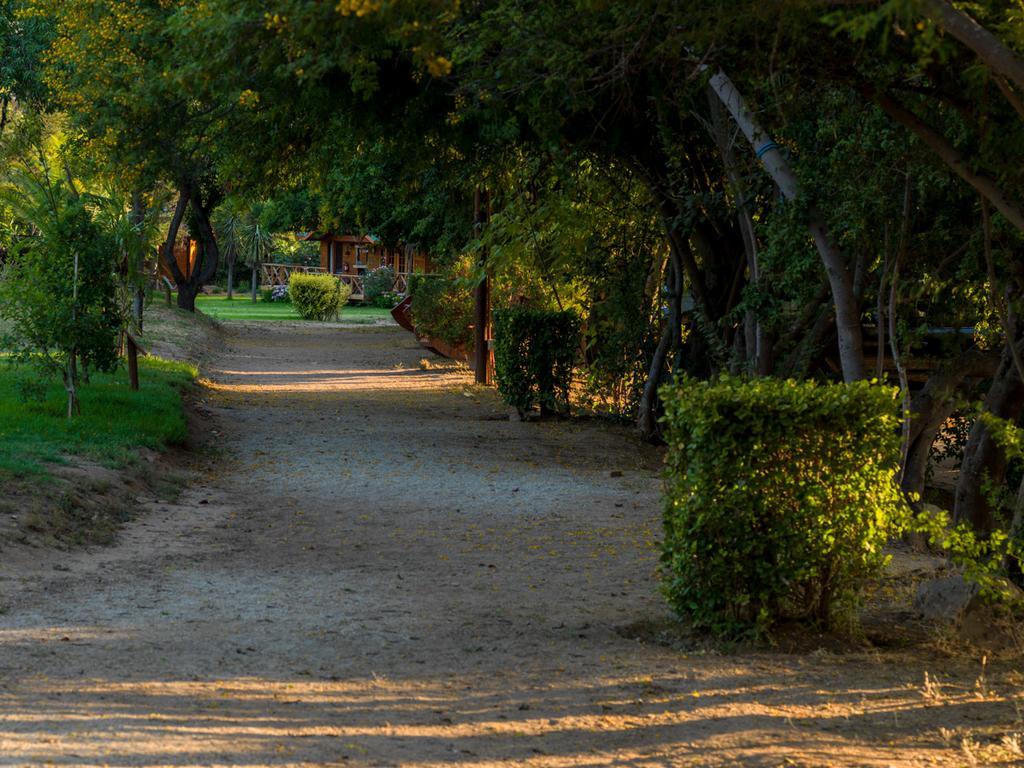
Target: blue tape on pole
766	148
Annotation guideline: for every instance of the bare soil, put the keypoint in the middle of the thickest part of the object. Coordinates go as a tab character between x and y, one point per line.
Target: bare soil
376	567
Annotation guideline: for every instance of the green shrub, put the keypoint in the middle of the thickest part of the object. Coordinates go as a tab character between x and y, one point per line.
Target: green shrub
58	293
318	297
387	300
378	282
442	308
534	353
780	497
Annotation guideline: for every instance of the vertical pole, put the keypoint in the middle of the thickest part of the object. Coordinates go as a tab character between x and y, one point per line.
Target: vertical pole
481	295
137	261
133	363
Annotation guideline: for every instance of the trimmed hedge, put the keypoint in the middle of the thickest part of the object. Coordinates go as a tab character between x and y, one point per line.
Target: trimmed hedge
534	353
318	297
780	497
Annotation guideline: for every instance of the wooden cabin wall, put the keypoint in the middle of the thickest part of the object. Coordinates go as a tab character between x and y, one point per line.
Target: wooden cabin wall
186	252
374	257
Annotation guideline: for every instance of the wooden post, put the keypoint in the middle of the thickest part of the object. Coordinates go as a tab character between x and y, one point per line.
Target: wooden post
481	295
133	363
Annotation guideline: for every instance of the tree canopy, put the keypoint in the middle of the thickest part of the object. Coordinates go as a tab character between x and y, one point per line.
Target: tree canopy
807	189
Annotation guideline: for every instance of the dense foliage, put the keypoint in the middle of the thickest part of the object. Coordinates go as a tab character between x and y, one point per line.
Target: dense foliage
535	352
442	308
58	295
780	499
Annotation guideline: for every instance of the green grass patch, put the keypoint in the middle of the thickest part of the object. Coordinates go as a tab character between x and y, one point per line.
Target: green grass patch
114	420
242	308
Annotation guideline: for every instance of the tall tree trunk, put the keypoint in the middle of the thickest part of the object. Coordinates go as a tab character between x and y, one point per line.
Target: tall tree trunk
757	351
481	293
231	280
649	410
71	372
136	270
847	308
167	251
894	340
187	293
254	283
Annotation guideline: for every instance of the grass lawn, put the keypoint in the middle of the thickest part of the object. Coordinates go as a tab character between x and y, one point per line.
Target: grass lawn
241	308
113	422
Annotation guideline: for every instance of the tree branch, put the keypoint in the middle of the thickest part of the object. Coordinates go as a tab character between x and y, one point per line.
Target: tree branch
989	48
950	155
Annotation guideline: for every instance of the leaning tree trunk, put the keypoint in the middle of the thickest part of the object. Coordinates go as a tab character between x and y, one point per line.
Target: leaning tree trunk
181	280
758	352
985	462
933	405
847	308
208	254
649	410
990	49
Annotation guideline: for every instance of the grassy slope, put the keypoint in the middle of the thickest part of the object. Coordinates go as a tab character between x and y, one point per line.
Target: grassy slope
241	308
114	420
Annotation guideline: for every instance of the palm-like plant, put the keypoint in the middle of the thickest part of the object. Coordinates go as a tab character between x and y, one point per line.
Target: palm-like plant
242	235
257	245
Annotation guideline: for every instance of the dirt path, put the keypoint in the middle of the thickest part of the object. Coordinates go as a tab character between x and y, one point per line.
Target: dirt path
383	570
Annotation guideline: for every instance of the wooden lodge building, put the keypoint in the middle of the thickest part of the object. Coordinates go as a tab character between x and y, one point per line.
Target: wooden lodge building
349	257
186	252
356	255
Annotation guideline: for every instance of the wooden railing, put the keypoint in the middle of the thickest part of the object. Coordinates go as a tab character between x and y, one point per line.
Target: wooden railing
356	283
278	274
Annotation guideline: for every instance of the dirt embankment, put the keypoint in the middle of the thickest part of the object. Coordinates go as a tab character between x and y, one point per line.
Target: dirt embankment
83	502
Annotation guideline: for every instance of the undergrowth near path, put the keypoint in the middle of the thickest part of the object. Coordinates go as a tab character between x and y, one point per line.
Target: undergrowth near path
114	421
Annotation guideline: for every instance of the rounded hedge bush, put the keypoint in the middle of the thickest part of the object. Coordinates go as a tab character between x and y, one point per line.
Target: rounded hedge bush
534	353
318	297
780	499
